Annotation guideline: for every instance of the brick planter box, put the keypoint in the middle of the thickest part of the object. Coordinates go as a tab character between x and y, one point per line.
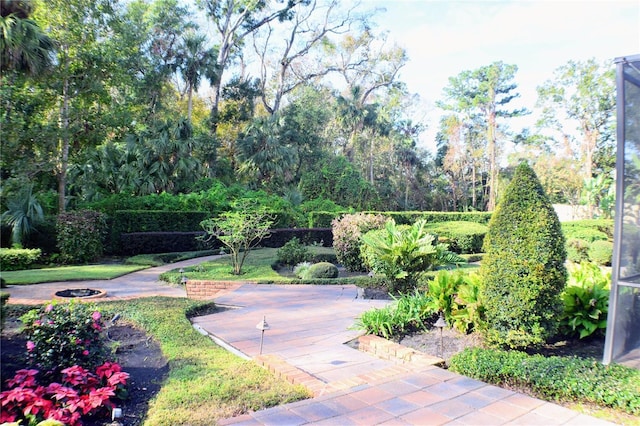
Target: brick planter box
206	289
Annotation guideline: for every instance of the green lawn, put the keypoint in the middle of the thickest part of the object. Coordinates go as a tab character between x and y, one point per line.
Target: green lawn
69	273
206	383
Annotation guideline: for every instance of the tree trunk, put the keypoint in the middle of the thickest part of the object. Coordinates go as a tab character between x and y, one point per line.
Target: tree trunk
64	148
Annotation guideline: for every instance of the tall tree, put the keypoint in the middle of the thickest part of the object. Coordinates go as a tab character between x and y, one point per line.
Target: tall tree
296	59
581	97
78	27
24	47
195	60
233	21
484	92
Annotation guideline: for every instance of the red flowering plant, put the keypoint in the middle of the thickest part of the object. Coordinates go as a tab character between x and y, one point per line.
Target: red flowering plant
63	335
80	394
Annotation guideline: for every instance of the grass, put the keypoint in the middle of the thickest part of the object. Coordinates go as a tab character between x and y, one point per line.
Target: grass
256	268
205	383
97	272
68	273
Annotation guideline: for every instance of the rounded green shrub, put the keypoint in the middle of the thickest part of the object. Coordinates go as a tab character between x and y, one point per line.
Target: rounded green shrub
601	252
322	270
523	268
463	237
577	250
586	234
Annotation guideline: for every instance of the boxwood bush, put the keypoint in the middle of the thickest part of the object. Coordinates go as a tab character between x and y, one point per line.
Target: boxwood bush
554	378
463	237
523	268
17	259
601	252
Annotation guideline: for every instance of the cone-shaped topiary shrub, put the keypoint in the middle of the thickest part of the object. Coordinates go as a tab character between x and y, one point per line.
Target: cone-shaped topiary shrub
523	269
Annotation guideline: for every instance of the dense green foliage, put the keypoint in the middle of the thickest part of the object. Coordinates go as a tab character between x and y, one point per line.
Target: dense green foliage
523	268
461	236
64	334
16	259
458	296
601	252
555	378
292	253
586	300
408	312
4	298
322	270
80	236
404	253
346	237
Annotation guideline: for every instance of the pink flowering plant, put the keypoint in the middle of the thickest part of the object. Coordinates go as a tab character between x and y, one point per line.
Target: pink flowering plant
61	335
79	394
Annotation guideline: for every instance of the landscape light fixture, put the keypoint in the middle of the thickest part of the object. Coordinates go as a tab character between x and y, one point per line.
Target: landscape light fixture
262	326
441	323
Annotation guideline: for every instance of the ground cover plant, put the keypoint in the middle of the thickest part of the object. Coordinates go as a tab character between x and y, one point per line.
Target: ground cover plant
566	379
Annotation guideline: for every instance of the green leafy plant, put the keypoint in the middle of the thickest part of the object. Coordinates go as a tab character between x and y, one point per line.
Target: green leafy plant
523	269
468	309
293	252
409	312
62	335
240	230
442	290
586	300
23	214
18	259
301	269
403	254
80	236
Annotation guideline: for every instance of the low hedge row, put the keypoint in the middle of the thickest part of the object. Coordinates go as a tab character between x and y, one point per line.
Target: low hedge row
554	378
320	219
17	259
163	242
463	237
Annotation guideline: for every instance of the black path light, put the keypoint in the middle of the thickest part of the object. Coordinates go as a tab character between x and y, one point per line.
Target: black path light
441	323
262	326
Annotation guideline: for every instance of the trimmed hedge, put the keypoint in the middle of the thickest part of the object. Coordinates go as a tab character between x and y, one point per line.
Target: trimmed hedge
408	218
279	237
18	259
463	237
554	378
322	270
163	242
523	268
601	252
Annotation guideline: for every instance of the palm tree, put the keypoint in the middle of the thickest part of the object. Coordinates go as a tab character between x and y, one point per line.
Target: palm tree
196	61
23	213
24	47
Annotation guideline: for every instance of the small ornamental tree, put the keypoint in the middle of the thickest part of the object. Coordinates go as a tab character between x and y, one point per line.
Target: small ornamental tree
240	230
523	268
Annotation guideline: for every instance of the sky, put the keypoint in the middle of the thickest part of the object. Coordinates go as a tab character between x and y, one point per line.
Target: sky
445	37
